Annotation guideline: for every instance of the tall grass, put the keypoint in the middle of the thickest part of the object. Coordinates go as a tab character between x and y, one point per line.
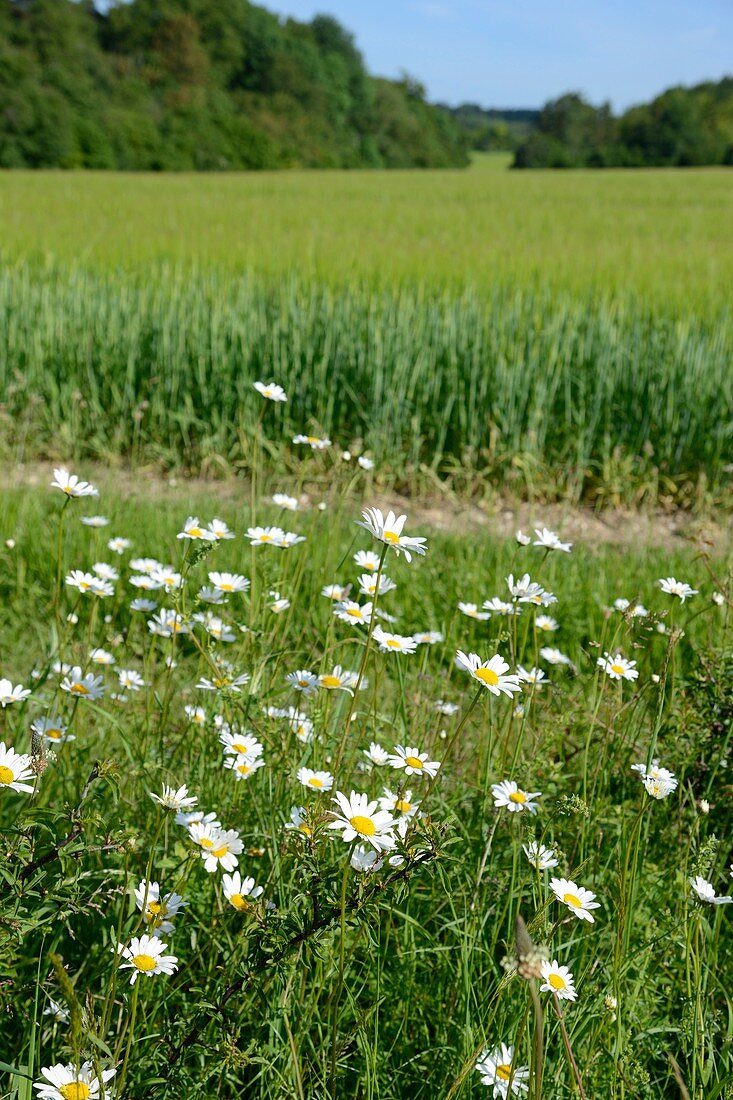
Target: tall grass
531	387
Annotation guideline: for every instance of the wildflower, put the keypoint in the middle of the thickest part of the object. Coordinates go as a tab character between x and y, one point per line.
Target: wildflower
318	781
167	577
157	910
508	794
144	955
15	768
706	892
376	754
491	673
677	588
539	856
192	529
365	859
550	540
219	847
83	687
471	609
389	531
298	821
240	744
271	391
497	606
88	582
237	890
367	559
578	900
10	694
522	539
264	536
558	980
413	761
197	715
339	678
282	500
368	585
105	571
349	611
303	680
316	443
100	656
290	538
219	530
59	1013
496	1069
393	643
94	521
523	589
554	656
52	728
535	676
197	816
399	803
173	799
637	611
444	707
360	818
119	545
130	679
659	783
224	680
167	623
143	605
365	463
336	591
428	637
145	565
71	1082
71	485
617	667
244	767
546	623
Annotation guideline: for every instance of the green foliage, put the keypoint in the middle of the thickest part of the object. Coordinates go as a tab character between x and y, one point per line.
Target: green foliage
191	84
681	127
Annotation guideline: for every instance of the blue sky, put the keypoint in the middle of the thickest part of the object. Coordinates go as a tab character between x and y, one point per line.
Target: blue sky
519	53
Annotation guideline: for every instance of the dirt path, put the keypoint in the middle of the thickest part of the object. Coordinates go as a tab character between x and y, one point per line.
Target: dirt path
501	518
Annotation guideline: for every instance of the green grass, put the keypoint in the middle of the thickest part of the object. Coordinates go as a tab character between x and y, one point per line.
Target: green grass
387	985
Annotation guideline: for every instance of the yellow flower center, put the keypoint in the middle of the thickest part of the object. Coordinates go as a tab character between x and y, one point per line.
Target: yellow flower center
206	842
75	1090
143	962
487	676
571	899
557	982
518	796
238	902
6	775
55	734
267	392
154	908
79	689
265	538
219	853
243	769
393	644
305	830
618	669
403	806
314	782
504	1071
313	439
363	825
355	612
225	586
221	681
240	746
414	762
391	537
195	531
331	681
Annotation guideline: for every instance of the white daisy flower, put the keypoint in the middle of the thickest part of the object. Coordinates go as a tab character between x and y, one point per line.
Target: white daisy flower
617	667
339	679
360	818
706	891
524	590
413	762
546	623
317	781
336	591
315	442
240	744
10	694
290	538
534	676
376	754
219	847
367	559
53	729
539	856
491	673
303	680
158	910
365	859
237	890
71	485
522	539
554	656
677	588
119	545
81	686
15	769
299	821
558	980
265	536
282	500
399	803
192	529
130	679
497	606
550	541
497	1070
508	794
100	656
578	900
144	955
393	643
271	391
197	715
173	799
368	585
472	611
349	611
243	767
388	529
219	530
71	1082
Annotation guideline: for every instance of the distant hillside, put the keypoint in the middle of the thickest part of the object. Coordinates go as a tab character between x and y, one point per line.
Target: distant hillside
202	84
681	127
489	128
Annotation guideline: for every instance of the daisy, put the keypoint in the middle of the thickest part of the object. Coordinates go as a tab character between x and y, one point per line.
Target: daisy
428	637
71	1082
119	545
554	656
303	680
192	529
290	538
144	955
197	715
367	559
558	980
413	762
143	605
229	582
508	794
316	443
318	781
535	676
706	892
167	577
522	539
617	667
216	627
496	1069
523	589
145	565
15	768
173	799
336	591
550	540
237	890
130	679
349	611
101	657
299	821
167	623
219	847
360	818
365	859
546	623
500	607
145	582
661	784
445	707
389	531
677	588
243	767
71	485
240	744
368	585
471	609
94	521
491	673
59	1013
264	536
219	530
189	819
393	643
365	463
540	857
157	911
578	900
399	803
10	694
84	582
282	500
271	391
83	687
339	679
225	681
376	754
52	729
105	571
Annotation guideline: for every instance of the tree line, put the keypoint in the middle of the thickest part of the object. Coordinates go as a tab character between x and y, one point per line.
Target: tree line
202	84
